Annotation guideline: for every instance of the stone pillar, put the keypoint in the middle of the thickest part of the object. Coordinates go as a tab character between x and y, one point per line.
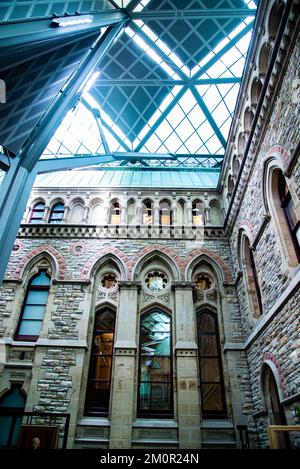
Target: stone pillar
186	351
206	215
139	213
123	380
156	213
66	213
123	209
174	211
189	216
46	214
86	214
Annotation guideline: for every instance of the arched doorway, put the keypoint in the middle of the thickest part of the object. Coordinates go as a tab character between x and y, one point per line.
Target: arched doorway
275	409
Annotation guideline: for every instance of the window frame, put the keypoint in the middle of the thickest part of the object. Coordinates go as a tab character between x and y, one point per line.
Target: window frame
102	411
286	199
34	211
30	288
158	414
53	210
222	414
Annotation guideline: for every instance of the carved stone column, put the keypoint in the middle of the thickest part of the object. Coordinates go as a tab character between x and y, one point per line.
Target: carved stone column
189	216
123	379
46	214
66	213
186	351
86	214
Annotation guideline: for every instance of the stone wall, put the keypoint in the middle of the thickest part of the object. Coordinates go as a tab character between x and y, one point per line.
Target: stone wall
277	330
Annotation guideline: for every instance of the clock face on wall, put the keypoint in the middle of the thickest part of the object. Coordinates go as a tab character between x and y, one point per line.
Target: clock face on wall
156	281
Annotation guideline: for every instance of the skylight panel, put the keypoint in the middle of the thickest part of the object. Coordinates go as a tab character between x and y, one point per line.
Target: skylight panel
141	5
175	116
185	130
205	130
173	143
153	144
194	143
164	130
187	102
213	145
163	47
196	117
226	127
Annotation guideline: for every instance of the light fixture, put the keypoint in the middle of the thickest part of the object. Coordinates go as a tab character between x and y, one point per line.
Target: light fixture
71	20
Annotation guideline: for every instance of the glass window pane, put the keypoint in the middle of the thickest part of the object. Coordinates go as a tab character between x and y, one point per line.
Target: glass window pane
291	214
105	320
37	297
155	396
210	370
34	312
42	280
56	216
212	397
30	328
155	368
58	207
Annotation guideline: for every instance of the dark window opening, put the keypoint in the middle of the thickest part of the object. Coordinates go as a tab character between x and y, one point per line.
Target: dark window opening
211	374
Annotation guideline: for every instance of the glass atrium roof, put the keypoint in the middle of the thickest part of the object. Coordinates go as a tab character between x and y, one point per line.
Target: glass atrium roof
167	86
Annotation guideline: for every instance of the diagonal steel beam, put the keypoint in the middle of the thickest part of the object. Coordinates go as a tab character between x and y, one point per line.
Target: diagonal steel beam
48	165
167	82
194	14
17	183
161	118
208	116
26	32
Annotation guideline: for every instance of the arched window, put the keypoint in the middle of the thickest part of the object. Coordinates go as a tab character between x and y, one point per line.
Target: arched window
210	363
155	397
97	216
131	212
99	380
115	214
274	407
57	213
288	208
198	212
165	214
11	405
77	212
251	277
37	213
34	308
147	212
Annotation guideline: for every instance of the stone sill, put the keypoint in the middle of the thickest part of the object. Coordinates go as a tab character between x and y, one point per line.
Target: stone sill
93	422
150	423
227	424
18	364
120	231
45	343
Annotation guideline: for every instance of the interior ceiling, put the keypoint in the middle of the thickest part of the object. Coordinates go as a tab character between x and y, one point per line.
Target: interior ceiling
168	84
